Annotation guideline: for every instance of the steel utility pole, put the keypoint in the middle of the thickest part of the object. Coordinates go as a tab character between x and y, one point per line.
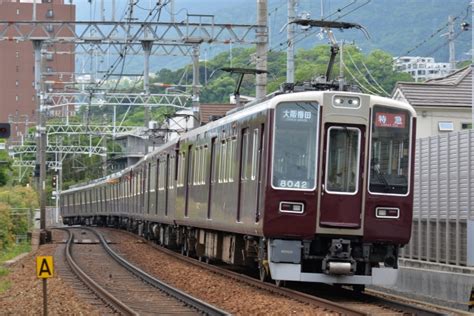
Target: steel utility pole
290	52
341	67
262	48
196	84
40	138
452	54
147	45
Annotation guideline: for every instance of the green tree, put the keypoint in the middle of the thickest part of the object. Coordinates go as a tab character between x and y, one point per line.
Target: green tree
5	167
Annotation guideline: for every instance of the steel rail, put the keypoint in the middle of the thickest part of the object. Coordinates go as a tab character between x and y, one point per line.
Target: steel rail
174	292
94	286
383	298
299	296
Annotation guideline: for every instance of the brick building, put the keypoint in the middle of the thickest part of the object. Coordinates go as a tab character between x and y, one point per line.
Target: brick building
17	93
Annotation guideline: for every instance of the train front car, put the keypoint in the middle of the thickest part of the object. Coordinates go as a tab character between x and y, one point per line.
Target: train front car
338	204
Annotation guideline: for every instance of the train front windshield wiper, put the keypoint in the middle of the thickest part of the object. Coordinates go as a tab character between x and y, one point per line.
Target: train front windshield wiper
384	181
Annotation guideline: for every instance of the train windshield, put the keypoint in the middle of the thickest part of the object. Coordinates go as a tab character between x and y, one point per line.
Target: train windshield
390	148
294	147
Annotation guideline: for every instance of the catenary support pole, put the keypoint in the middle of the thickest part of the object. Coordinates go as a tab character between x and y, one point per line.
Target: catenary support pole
40	135
452	53
262	47
147	45
196	85
290	51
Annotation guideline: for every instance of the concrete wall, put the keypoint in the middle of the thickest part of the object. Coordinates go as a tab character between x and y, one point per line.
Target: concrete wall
441	284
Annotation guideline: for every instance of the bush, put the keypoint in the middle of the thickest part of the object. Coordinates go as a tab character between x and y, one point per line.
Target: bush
6	227
12	198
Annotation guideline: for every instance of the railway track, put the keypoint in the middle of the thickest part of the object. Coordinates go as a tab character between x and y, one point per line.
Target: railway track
67	274
340	300
122	286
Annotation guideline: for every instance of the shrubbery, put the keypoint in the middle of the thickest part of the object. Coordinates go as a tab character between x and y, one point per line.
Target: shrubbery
16	223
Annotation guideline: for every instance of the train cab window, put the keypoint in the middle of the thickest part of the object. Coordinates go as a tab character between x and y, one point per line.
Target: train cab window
294	162
343	152
389	152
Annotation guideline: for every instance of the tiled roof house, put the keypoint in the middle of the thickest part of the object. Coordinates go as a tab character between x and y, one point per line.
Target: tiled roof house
442	105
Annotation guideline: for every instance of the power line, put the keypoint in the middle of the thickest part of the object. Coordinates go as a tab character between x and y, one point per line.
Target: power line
379	89
357	81
436	32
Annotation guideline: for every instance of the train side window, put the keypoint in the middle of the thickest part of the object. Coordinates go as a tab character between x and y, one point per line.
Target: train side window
139	183
172	167
222	175
190	170
203	164
196	165
162	174
231	158
254	154
219	157
245	153
181	166
214	158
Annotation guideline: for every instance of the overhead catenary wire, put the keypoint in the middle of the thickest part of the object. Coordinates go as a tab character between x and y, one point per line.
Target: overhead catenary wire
301	36
357	81
440	29
377	88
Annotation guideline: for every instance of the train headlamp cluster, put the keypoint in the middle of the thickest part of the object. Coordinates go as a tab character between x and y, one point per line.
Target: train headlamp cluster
291	207
387	212
346	101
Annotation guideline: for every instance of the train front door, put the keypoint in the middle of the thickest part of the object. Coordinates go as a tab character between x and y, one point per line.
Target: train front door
341	192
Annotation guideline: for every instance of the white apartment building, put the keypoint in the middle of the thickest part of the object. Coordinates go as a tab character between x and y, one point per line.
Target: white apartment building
422	68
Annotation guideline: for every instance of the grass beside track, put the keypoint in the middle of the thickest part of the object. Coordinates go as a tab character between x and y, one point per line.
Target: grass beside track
8	254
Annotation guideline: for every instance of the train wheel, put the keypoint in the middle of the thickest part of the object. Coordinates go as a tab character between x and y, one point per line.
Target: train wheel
263	274
359	288
279	283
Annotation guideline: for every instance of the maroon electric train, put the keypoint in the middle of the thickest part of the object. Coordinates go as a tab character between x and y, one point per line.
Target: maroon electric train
308	186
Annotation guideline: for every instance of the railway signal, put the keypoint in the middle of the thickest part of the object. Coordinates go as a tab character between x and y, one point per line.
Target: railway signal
4	130
54	182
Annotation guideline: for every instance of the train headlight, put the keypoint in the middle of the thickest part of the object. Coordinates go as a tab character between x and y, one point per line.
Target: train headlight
346	101
353	102
387	212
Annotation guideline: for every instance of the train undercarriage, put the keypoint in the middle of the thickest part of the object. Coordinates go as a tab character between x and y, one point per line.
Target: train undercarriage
325	259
